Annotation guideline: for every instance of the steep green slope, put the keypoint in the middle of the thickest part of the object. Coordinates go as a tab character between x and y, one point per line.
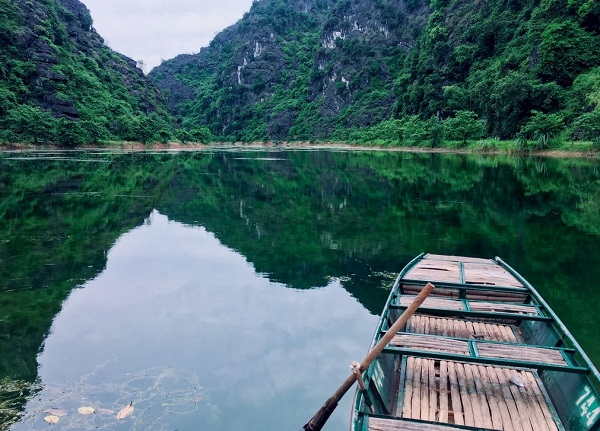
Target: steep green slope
360	69
295	70
59	81
504	60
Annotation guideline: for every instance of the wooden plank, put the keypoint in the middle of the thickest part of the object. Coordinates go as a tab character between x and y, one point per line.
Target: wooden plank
464	394
478	295
470	329
533	409
433	302
507	423
408	385
509	335
521	352
443	413
435	270
426	325
476	403
492	332
498	307
495	413
416	397
522	408
424	389
457	409
420	325
431	343
489	273
408	388
482	396
532	386
507	398
433	392
433	326
496	333
484	330
446	327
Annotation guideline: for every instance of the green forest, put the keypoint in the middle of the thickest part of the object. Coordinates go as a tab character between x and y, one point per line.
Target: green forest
500	74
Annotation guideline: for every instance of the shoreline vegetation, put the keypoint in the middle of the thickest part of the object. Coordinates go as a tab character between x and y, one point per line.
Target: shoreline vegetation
486	147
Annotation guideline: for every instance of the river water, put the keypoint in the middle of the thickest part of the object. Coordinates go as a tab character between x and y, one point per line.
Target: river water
229	290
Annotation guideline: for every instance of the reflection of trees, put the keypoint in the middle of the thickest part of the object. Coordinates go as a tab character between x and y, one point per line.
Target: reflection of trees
300	221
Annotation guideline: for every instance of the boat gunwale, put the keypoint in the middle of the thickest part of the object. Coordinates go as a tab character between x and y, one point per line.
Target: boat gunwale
556	320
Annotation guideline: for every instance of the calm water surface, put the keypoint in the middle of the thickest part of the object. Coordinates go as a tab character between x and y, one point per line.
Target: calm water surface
231	290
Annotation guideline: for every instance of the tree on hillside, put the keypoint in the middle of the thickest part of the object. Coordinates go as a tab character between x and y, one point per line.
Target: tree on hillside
30	123
201	134
463	126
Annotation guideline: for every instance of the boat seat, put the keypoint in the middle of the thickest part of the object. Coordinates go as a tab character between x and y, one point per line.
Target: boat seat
459	328
462	271
471	305
474	308
482	351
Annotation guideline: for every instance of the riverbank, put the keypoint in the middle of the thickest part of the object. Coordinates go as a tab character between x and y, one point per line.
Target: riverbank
578	151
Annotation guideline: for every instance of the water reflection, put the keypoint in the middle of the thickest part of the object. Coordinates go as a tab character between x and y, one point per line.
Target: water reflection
254	275
185	328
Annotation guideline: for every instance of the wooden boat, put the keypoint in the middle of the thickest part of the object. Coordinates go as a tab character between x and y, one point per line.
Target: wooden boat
483	352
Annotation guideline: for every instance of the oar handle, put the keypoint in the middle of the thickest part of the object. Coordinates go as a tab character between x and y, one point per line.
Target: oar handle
319	419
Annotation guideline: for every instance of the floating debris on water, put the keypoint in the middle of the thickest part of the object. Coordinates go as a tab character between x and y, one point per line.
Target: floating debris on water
125	411
86	410
159	393
55	412
52	419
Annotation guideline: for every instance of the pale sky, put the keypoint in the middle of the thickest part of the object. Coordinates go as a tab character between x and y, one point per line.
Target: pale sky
155	30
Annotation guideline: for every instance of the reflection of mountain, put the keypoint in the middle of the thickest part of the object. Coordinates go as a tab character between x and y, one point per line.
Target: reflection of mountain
300	220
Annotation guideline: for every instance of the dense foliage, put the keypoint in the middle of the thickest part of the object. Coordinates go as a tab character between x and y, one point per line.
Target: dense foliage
362	70
60	83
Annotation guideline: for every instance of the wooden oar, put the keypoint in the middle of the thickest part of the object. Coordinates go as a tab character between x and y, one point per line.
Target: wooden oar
318	420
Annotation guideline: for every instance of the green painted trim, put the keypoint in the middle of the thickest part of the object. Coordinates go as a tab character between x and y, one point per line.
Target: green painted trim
484	361
466	305
461	272
473	349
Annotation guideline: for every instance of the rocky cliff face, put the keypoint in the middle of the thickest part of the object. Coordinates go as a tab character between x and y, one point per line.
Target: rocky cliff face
313	69
295	69
61	64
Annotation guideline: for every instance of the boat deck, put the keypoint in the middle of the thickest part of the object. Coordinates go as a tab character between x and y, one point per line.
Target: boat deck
474	395
462	360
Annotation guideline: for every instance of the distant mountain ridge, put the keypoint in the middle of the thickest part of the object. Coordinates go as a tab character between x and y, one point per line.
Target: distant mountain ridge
320	69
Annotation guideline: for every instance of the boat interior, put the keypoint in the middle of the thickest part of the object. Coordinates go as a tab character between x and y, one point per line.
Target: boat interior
483	351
